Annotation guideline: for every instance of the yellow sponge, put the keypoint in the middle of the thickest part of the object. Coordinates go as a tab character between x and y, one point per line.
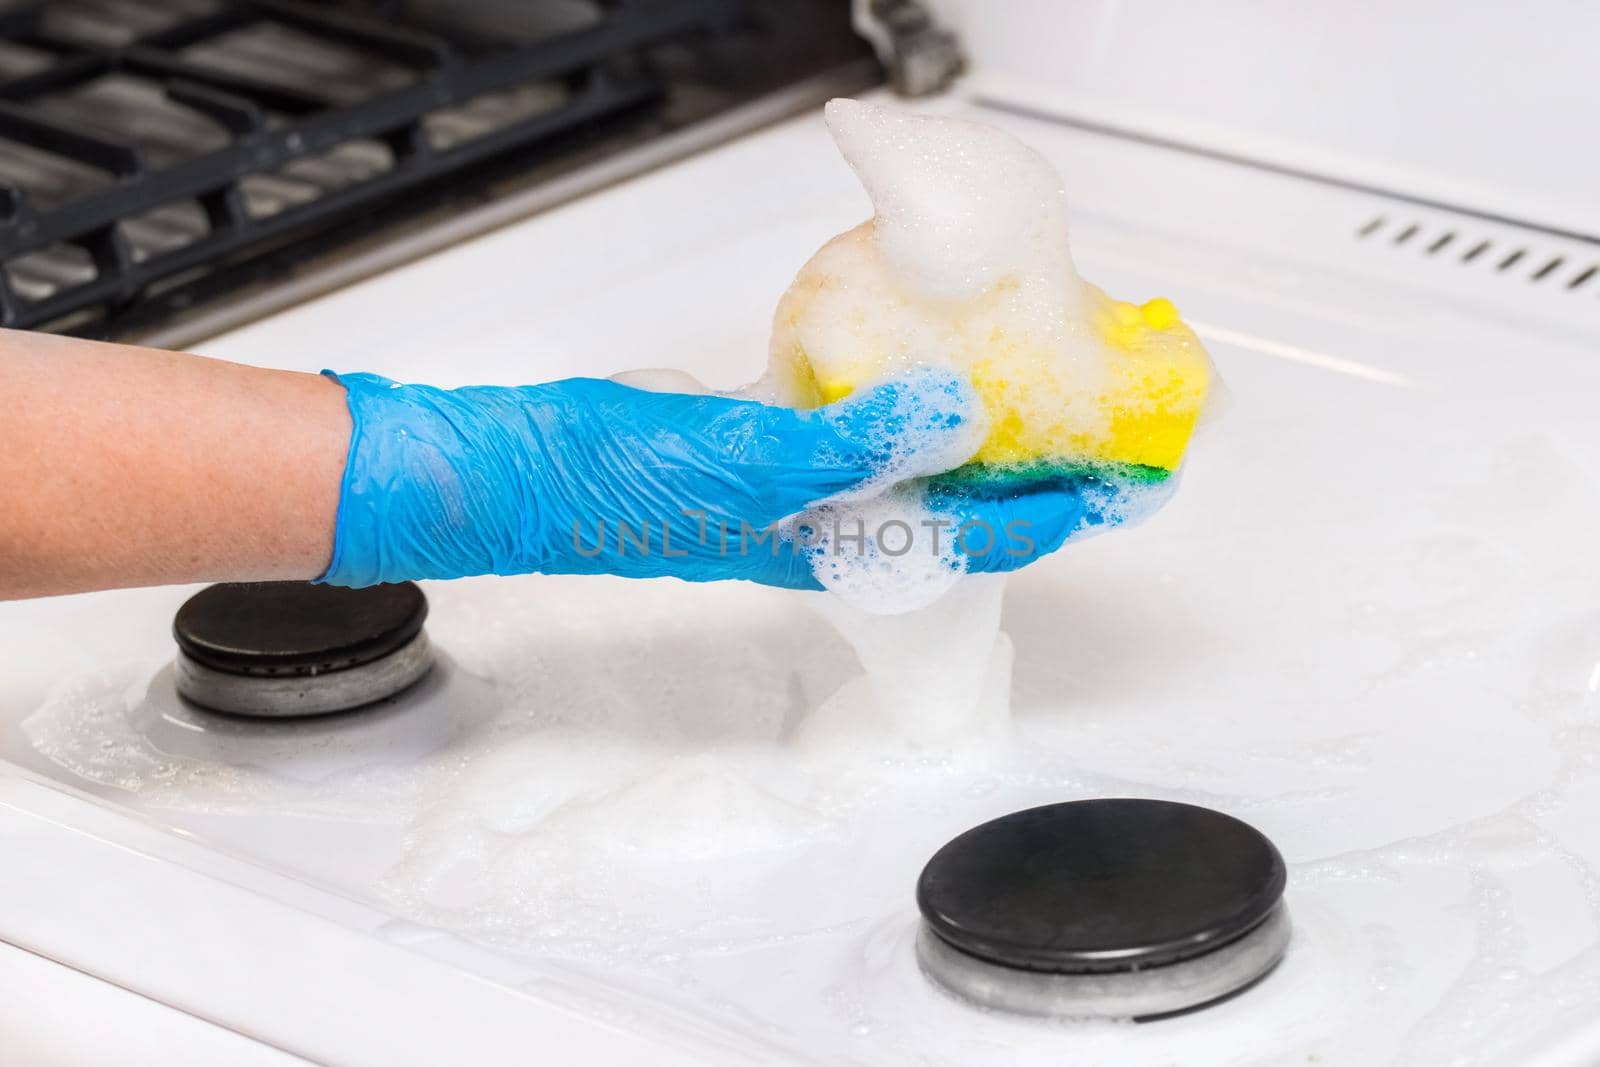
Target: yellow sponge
1157	380
1066	374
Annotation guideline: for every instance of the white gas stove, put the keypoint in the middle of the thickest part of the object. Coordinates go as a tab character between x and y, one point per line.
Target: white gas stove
1367	625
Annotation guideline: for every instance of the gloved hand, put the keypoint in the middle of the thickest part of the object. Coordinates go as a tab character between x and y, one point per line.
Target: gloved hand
586	476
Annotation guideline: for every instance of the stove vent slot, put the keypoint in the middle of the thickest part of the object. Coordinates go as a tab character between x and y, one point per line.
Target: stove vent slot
1513	258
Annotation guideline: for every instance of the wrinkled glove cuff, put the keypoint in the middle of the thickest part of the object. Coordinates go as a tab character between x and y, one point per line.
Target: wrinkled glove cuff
425	481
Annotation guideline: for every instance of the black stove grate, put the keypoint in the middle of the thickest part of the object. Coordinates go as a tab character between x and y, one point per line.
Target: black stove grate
136	154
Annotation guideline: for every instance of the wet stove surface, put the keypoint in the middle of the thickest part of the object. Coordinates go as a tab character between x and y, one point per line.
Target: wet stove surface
1367	626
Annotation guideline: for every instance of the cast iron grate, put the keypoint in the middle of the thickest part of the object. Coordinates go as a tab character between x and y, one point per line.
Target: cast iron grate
142	144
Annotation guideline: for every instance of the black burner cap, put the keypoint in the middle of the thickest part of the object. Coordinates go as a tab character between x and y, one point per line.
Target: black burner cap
280	628
1096	886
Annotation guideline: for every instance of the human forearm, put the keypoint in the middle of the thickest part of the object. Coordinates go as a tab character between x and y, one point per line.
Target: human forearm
124	466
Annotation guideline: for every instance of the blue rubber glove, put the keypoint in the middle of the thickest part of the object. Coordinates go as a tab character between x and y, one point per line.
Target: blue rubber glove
587	476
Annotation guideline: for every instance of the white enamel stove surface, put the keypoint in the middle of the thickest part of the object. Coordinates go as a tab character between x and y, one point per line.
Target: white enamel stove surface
1369	624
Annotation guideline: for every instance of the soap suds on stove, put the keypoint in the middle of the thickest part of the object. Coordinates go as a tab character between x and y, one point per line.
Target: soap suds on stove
649	805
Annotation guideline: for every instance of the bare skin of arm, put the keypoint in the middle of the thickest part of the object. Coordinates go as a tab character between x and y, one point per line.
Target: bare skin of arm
124	466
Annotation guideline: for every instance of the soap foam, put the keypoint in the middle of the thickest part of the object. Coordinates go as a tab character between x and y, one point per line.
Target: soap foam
966	265
661	380
966	268
959	205
885	555
938	677
929	421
